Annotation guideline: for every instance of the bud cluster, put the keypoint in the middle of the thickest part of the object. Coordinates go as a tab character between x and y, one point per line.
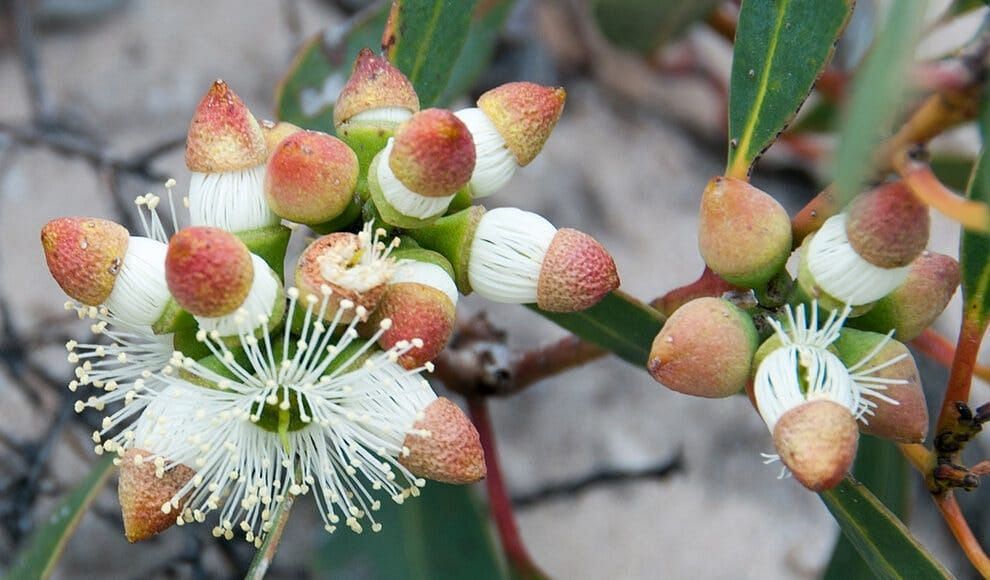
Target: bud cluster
229	384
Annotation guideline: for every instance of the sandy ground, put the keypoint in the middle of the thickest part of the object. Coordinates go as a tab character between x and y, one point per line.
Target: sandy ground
629	177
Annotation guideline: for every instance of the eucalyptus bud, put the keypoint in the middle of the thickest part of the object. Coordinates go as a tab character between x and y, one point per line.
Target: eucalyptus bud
276	132
744	234
817	441
145	491
705	349
444	445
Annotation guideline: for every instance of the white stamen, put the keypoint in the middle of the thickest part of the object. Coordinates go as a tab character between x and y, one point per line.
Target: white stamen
140	293
260	301
403	199
507	255
394	115
844	274
427	274
495	164
373	267
232	201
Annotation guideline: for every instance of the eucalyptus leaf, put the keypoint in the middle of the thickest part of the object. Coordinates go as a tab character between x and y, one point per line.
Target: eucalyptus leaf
487	22
43	549
644	25
781	48
974	247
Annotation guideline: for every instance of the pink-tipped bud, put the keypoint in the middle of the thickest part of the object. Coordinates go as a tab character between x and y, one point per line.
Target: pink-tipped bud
209	271
374	84
524	115
144	489
223	134
817	441
898	408
276	132
888	226
744	235
576	274
84	256
705	349
918	301
416	311
311	177
444	446
433	154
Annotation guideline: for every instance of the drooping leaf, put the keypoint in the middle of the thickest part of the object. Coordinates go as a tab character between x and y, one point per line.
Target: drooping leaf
881	467
781	48
878	92
441	534
619	323
424	38
882	540
41	552
643	25
974	247
306	94
487	22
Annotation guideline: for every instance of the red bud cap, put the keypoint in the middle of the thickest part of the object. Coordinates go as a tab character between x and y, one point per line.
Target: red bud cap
374	84
275	133
433	153
744	235
524	114
444	446
417	311
209	271
918	301
817	441
888	226
311	177
705	349
143	494
577	272
84	256
224	135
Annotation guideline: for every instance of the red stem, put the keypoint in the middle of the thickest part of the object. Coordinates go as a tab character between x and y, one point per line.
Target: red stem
941	350
953	516
708	284
961	375
498	499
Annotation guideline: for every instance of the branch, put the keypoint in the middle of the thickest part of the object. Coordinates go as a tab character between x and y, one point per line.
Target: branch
938	348
949	508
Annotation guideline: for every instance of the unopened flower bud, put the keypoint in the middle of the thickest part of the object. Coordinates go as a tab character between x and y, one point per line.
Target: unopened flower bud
311	178
346	268
420	302
817	441
416	176
524	115
276	132
143	494
888	226
705	349
914	305
84	256
896	407
209	271
376	92
444	446
226	151
744	234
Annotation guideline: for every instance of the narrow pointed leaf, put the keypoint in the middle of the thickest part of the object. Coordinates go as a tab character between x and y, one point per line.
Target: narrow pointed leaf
424	38
882	540
487	22
781	48
41	552
441	534
619	323
974	247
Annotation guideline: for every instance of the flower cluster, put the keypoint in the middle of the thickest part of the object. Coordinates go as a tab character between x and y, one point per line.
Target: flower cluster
228	384
828	366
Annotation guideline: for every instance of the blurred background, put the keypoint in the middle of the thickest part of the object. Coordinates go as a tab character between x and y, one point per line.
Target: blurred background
613	476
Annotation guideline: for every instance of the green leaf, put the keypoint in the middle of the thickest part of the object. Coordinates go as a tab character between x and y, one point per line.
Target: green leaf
489	17
974	248
883	541
306	94
643	25
423	38
878	93
619	323
953	169
441	534
39	556
881	467
781	48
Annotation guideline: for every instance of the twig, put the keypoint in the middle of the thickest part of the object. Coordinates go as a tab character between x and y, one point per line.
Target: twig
600	479
266	554
949	508
938	348
961	375
501	506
